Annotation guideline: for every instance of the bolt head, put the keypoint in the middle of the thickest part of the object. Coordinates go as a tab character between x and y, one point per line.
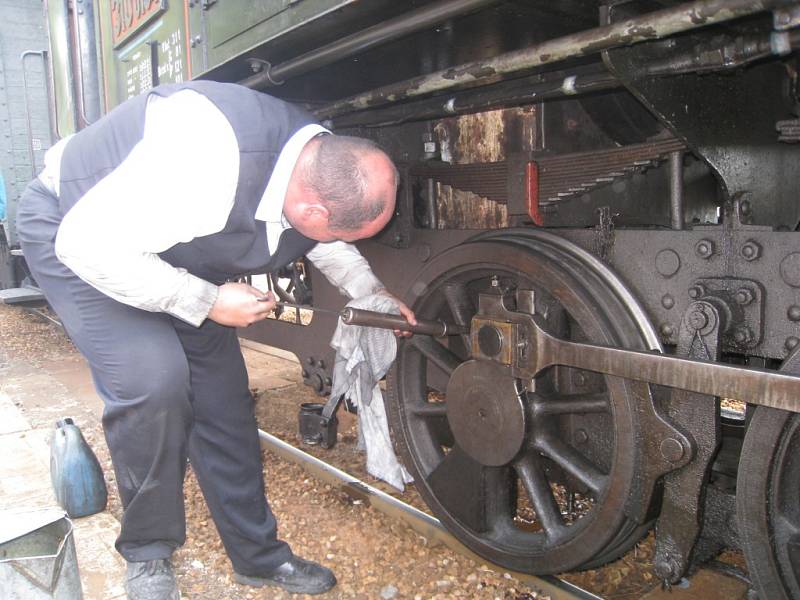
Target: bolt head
698	290
793	313
667	301
791	342
742	335
704	248
666	330
744	296
750	250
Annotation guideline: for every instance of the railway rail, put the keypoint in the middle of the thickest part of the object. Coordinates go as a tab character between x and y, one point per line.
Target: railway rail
424	524
432	530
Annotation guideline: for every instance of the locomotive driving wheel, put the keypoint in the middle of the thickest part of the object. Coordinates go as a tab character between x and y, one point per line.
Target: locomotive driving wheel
537	476
767	505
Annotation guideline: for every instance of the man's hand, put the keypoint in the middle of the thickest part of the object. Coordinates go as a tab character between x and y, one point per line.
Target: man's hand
405	311
239	305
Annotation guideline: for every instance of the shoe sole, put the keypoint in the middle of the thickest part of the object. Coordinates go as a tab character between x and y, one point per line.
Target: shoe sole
293	589
176	596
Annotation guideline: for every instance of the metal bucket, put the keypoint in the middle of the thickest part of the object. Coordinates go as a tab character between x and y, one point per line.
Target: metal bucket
37	556
309	422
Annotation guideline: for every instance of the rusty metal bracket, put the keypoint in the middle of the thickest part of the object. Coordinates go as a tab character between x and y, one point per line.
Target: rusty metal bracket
698	415
743	300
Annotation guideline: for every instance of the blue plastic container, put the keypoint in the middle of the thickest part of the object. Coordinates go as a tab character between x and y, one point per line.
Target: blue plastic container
75	472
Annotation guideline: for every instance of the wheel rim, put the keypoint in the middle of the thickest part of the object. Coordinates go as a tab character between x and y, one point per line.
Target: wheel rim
767	506
580	441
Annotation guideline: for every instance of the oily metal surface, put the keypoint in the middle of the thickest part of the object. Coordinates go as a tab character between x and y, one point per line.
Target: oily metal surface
756	386
685	17
424	524
370	318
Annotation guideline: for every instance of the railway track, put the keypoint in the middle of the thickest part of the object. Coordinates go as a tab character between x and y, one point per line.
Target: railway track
707	583
422	523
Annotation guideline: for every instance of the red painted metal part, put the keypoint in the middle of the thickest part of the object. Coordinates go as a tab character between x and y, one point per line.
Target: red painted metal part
532	192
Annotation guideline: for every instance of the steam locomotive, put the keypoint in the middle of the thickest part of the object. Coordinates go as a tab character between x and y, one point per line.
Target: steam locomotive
602	195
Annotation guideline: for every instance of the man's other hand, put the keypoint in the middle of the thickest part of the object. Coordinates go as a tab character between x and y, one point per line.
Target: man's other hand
409	316
405	311
239	305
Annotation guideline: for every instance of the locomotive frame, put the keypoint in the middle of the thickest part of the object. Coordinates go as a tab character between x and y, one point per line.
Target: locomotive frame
625	172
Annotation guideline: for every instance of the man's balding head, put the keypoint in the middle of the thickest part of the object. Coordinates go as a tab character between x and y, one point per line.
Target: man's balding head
342	188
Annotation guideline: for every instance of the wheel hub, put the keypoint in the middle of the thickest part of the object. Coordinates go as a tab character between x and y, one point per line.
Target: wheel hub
486	412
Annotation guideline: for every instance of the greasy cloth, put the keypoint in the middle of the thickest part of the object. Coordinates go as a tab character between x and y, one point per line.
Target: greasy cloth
363	355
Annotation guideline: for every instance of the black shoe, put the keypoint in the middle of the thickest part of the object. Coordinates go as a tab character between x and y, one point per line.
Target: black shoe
296	575
151	580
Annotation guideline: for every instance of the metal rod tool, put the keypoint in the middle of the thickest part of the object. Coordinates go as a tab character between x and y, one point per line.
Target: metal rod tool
369	318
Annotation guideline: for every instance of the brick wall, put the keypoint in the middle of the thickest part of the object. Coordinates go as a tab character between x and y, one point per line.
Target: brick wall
22	28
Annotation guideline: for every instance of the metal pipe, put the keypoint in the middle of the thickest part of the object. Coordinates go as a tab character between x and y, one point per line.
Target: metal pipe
652	26
363	40
369	318
676	189
433	212
83	17
27	103
529	90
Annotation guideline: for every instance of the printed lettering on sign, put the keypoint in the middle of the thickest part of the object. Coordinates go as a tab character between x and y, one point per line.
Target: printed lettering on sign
128	16
170	58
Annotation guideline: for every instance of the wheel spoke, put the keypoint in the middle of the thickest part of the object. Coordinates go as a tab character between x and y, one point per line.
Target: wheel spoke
572	403
461	306
477	496
436	353
436	378
431	410
573	462
532	475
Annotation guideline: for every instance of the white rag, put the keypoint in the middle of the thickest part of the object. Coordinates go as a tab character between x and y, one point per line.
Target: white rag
363	355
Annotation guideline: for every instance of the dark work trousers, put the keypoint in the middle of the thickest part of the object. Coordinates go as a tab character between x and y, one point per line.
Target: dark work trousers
170	389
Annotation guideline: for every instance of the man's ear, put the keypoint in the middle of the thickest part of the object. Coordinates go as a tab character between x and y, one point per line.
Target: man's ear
316	211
